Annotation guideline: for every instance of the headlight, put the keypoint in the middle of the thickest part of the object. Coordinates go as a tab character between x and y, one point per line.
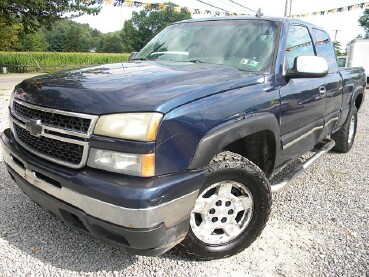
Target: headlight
132	126
10	121
132	164
12	95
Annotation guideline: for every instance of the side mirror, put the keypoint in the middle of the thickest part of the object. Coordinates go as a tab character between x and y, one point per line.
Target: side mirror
308	67
133	54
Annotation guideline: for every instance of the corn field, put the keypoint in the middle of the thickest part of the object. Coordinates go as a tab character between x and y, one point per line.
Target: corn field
24	62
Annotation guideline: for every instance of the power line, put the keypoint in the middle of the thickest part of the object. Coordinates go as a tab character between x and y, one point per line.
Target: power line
242	6
212	5
229	4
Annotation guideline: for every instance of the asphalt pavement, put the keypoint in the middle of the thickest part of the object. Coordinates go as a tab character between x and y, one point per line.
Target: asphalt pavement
9	80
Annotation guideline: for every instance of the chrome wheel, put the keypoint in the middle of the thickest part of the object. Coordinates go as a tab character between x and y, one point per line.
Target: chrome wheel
222	212
351	129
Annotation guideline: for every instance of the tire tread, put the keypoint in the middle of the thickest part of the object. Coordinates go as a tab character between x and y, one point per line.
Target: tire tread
232	160
341	136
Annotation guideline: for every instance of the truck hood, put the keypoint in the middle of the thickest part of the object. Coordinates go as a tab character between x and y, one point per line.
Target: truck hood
132	87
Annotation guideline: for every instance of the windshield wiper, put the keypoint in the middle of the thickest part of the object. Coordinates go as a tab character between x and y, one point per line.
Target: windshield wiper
195	61
139	59
189	61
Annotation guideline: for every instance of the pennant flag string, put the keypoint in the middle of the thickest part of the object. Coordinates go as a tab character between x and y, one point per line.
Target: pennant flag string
337	10
161	6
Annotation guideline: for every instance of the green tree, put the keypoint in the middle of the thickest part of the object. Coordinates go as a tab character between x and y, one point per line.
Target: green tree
32	14
143	26
76	39
8	35
337	49
364	22
32	42
111	43
96	36
56	36
69	36
129	36
21	17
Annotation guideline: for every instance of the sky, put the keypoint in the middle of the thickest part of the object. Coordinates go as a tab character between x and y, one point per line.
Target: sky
112	18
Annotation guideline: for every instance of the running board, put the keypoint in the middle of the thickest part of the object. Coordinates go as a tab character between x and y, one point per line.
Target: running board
328	145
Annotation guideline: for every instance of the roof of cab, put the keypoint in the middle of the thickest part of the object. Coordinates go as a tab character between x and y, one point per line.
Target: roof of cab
267	18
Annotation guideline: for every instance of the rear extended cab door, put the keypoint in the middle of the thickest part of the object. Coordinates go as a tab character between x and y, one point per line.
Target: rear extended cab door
332	82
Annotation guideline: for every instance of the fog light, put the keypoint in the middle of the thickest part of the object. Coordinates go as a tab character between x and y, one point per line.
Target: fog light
125	163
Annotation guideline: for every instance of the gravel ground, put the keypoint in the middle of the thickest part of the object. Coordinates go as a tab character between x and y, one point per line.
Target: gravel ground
318	227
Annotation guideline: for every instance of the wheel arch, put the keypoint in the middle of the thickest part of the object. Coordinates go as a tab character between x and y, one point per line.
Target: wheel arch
358	98
260	130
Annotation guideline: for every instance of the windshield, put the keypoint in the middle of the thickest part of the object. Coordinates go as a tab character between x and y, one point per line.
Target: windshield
244	44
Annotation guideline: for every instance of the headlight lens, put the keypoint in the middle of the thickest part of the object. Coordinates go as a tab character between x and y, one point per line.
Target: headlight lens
132	126
11	100
132	164
12	95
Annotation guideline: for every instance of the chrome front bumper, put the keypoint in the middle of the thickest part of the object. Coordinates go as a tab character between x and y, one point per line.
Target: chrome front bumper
169	213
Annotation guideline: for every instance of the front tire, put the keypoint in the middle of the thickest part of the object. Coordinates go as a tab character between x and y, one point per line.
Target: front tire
231	210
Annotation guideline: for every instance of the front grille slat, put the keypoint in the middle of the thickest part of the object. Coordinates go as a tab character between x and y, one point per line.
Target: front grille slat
64	151
64	136
55	120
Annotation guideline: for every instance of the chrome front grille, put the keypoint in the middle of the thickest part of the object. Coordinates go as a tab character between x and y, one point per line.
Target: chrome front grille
57	120
60	150
57	136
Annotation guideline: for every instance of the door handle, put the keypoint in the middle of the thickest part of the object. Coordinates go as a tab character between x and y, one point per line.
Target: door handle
322	91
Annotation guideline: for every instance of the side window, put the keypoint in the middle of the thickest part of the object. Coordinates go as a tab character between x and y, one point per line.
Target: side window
298	44
324	48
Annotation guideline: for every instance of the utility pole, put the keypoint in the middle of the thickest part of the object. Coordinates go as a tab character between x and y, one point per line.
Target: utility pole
335	34
290	7
285	8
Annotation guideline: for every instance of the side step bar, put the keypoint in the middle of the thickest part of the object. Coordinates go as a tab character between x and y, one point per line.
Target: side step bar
328	145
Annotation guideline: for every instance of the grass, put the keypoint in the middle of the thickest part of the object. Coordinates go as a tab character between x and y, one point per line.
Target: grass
27	62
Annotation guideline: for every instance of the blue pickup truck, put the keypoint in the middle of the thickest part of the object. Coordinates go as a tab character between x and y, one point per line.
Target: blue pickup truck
177	146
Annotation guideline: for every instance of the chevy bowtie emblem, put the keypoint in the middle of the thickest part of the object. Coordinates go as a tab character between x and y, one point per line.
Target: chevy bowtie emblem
34	127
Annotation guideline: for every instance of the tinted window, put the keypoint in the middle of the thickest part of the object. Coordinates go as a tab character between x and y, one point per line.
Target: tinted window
341	61
298	44
324	48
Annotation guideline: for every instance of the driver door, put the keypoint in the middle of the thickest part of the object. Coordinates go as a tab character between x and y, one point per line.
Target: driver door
302	100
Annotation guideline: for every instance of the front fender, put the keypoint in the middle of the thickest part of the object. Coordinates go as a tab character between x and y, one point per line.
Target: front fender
218	138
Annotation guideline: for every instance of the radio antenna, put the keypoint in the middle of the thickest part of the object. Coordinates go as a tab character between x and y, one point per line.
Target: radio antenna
259	13
121	23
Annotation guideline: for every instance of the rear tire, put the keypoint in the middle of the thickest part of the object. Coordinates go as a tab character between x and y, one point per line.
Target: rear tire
231	210
345	137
